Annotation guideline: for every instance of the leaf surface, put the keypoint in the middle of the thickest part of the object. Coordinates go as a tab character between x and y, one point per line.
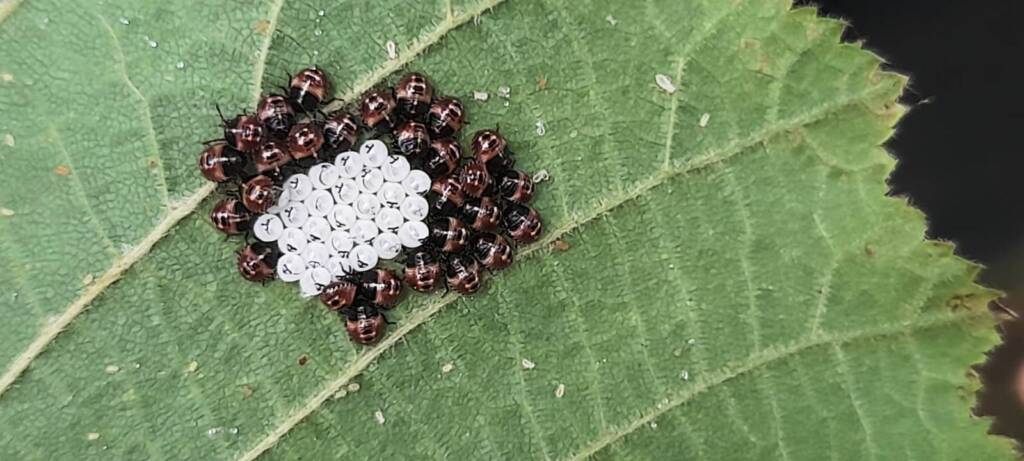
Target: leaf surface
736	283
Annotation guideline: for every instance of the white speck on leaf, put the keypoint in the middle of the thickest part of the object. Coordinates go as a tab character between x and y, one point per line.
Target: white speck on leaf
180	65
540	128
9	140
7	77
92	436
541	176
379	416
318	32
152	43
392	49
87	279
340	394
213	431
480	95
611	20
124	20
653	425
684	375
704	119
353	387
528	365
691	341
192	367
111	369
665	83
137	365
233	430
560	391
447	368
6	212
504	92
321	13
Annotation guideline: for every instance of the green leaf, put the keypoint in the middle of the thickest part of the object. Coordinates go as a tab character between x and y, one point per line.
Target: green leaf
740	288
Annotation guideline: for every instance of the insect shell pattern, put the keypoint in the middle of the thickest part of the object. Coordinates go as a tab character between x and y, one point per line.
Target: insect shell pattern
344	217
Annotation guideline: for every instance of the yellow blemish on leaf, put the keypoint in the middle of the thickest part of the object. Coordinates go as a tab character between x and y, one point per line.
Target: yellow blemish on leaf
62	170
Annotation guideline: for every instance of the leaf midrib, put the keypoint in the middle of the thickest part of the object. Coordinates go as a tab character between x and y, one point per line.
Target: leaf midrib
603	207
178	210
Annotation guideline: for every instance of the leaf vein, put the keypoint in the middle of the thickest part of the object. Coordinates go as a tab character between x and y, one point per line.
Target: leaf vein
121	65
766	358
421	316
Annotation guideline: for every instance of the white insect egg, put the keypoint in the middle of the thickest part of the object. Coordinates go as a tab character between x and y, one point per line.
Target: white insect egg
342	241
375	153
389	220
363	258
350	164
371	181
299	185
268	228
290	267
319	203
294	214
412	233
345	191
292	240
387	245
339	265
317	230
367	206
316	255
414	208
313	281
324	175
418	182
391	195
365	230
343	217
396	168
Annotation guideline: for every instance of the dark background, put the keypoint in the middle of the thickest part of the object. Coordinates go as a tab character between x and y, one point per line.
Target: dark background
960	147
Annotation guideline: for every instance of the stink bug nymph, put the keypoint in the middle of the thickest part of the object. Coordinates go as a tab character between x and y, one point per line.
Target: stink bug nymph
414	93
423	272
230	217
446	117
276	115
304	140
523	223
259	194
381	287
364	324
309	88
256	262
378	106
412	138
244	132
463	274
220	162
339	295
340	132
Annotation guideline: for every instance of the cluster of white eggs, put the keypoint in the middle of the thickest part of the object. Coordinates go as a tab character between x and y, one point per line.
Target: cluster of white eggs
344	217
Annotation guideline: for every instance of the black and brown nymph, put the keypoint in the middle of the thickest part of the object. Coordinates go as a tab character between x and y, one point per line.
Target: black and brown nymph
414	93
256	262
231	217
423	271
364	323
309	88
221	163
